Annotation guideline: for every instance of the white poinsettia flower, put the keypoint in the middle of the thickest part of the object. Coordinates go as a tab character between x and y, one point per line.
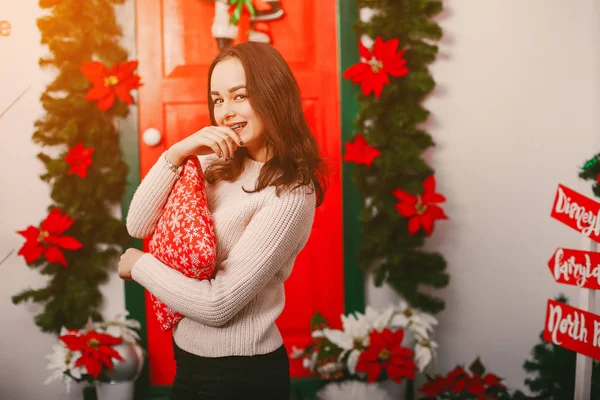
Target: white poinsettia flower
352	390
418	322
122	327
377	320
353	337
62	361
424	353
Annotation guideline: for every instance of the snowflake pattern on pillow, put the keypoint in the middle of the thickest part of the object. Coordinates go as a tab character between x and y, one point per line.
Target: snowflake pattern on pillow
184	237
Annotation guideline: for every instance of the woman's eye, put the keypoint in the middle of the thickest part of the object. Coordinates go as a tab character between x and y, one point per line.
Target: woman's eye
217	101
240	96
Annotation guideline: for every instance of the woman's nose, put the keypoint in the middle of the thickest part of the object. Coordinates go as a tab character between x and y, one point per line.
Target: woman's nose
228	112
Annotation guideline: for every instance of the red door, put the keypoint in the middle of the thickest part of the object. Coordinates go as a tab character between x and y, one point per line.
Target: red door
175	49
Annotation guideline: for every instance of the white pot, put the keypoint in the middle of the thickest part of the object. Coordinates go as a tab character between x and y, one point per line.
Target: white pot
115	390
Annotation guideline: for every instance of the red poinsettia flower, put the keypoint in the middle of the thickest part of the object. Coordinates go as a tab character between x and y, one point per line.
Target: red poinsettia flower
108	83
48	239
433	387
460	381
360	152
421	209
372	73
457	379
492	380
475	386
79	158
95	348
385	354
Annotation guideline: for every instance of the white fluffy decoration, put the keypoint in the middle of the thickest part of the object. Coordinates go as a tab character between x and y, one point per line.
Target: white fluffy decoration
353	390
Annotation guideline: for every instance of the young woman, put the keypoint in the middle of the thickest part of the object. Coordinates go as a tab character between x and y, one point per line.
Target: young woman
264	180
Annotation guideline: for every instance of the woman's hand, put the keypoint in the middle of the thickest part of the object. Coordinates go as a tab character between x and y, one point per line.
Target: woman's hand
127	261
221	140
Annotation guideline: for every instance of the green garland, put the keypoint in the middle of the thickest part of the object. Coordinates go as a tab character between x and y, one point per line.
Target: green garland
390	124
75	32
591	171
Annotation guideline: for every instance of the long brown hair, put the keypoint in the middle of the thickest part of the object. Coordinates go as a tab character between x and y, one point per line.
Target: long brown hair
275	97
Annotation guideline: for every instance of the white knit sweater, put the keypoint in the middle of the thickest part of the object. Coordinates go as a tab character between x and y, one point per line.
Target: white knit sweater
258	238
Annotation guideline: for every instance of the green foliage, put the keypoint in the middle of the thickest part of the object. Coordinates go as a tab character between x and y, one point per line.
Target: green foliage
76	31
590	171
392	125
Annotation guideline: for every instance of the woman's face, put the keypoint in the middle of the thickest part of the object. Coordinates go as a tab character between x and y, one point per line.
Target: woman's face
231	105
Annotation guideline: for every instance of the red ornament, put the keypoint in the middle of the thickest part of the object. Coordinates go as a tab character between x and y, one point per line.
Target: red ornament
421	209
372	73
79	158
47	239
108	83
385	353
95	348
360	152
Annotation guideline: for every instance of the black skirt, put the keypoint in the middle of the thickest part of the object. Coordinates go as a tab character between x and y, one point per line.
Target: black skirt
265	376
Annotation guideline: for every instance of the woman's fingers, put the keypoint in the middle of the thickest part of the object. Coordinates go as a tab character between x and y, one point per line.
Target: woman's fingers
225	142
211	140
231	133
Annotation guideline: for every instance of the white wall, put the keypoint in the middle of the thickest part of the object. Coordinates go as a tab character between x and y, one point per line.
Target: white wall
23	201
516	111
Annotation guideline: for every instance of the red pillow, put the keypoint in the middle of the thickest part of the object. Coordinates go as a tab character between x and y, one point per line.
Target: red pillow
184	237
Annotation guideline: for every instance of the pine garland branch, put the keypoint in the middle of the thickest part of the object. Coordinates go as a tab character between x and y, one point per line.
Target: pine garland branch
392	124
76	32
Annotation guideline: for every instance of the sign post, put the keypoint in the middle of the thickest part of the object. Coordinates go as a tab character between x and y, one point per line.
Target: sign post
583	365
577	329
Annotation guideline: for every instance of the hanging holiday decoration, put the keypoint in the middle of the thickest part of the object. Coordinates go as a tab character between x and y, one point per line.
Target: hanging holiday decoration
228	14
422	210
81	230
392	115
48	239
79	158
237	7
375	66
108	83
360	152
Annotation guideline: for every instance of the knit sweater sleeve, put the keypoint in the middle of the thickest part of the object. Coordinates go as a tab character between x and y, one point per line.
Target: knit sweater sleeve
273	237
151	196
149	199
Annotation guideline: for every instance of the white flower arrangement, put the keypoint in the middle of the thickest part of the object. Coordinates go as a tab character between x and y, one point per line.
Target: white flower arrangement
352	390
336	353
83	355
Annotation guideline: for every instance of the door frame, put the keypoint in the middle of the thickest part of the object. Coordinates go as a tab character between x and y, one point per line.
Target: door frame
302	388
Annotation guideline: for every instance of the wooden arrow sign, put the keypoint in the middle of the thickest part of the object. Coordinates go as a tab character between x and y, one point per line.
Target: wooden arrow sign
573	329
577	211
576	268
